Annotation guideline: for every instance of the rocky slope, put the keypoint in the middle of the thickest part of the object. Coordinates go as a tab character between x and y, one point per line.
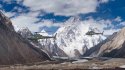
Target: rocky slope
50	45
13	48
113	46
47	45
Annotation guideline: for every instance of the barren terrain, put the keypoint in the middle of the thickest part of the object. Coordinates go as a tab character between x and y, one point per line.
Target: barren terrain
94	63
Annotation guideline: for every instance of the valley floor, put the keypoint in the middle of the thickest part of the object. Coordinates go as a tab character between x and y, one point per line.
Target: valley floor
94	63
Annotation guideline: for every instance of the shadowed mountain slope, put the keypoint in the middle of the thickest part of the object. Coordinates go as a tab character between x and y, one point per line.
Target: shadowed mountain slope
14	49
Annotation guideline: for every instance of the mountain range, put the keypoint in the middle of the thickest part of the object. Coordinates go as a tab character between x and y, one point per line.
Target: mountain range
71	39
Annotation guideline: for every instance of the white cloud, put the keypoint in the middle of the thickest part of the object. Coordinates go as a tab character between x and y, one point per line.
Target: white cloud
9	14
110	31
104	1
64	7
122	23
101	25
28	20
49	23
118	19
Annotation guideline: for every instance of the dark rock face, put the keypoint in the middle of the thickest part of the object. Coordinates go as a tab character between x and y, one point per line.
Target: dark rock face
113	46
14	49
5	22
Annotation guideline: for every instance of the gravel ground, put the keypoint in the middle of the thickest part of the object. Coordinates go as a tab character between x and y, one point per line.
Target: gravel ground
110	64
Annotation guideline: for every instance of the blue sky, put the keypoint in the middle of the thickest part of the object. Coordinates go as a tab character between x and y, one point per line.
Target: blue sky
51	14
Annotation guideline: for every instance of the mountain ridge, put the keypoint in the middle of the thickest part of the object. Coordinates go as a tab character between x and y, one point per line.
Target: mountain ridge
113	46
14	49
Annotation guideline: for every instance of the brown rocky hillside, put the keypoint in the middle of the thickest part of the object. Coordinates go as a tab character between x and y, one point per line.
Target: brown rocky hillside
14	49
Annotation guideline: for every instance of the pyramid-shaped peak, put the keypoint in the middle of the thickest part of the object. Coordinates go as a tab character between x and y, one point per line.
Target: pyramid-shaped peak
43	32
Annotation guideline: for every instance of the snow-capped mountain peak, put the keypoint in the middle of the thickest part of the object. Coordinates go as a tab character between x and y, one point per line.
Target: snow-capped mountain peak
72	38
25	32
44	33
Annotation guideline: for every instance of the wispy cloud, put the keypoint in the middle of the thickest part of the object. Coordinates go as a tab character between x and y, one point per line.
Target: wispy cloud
64	7
28	20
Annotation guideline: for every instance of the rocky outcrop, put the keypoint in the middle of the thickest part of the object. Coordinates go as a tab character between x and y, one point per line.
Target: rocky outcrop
113	46
14	49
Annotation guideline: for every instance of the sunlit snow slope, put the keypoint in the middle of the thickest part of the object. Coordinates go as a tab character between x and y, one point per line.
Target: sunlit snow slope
72	38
